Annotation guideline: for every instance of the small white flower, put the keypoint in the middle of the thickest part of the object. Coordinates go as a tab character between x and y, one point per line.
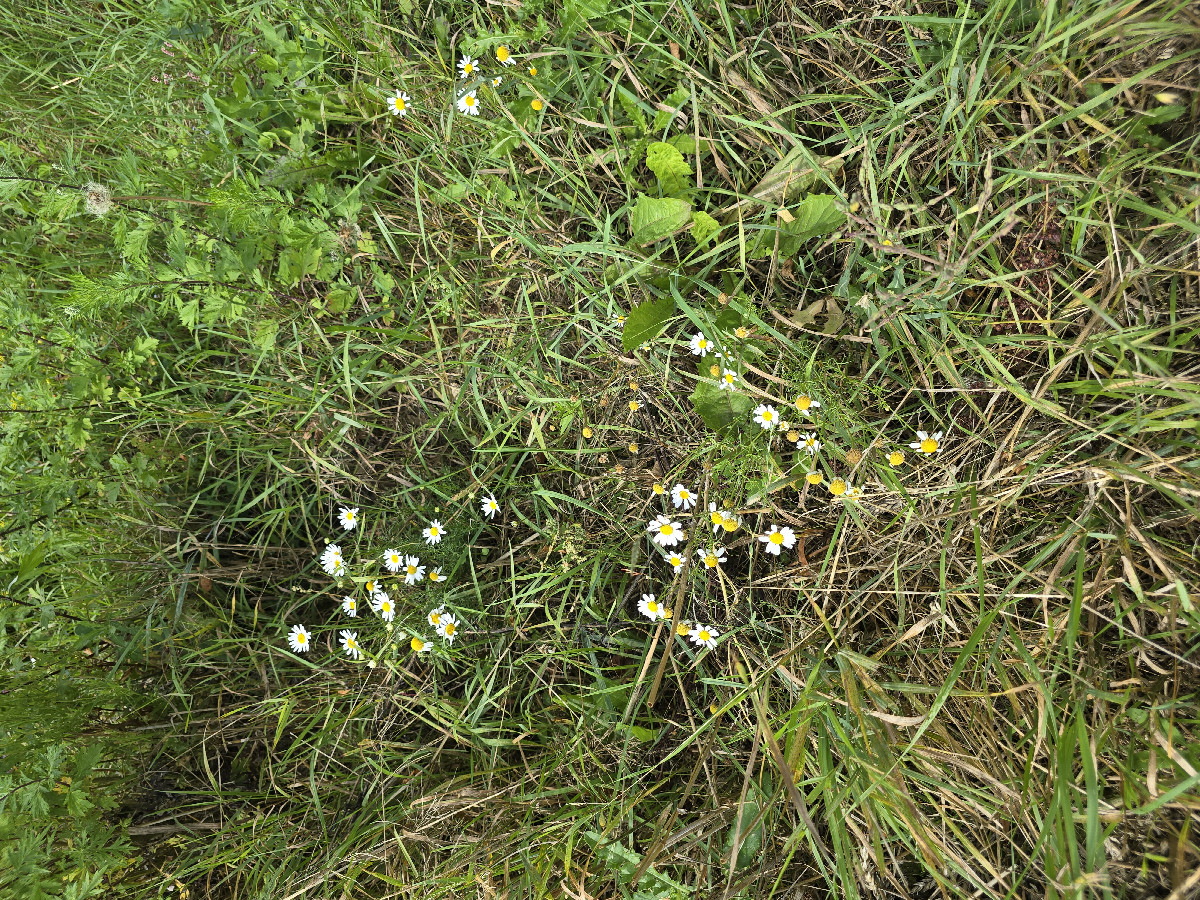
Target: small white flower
496	81
712	558
298	639
809	442
420	645
650	608
467	66
704	636
766	416
853	493
778	537
929	444
806	404
350	607
504	56
332	562
676	561
413	570
728	380
717	517
370	586
436	576
666	533
700	344
392	560
435	616
349	641
348	518
433	534
489	506
398	104
383	605
682	497
468	104
447	627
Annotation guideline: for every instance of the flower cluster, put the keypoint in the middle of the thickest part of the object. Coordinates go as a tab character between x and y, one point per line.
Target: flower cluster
470	72
333	562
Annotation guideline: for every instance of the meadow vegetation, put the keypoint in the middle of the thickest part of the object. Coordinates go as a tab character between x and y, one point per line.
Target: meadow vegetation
264	263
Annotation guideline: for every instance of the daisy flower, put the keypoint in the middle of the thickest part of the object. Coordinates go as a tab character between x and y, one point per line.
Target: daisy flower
435	616
413	570
392	560
809	442
929	444
349	642
398	104
332	562
447	627
676	561
532	70
838	486
731	523
420	645
433	533
658	489
712	558
348	518
766	416
384	606
853	493
650	607
467	66
806	404
683	628
371	586
504	57
896	458
682	497
468	104
489	506
813	478
436	576
350	607
666	533
298	639
704	636
728	380
700	344
778	537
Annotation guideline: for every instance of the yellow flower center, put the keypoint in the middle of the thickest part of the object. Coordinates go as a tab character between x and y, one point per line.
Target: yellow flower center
468	69
813	477
587	433
716	518
417	644
533	70
433	532
676	561
729	377
434	576
301	638
896	458
370	586
666	530
684	495
351	605
715	370
659	489
768	415
399	105
929	445
435	618
537	107
837	487
702	344
449	628
710	560
703	634
412	570
776	538
742	332
385	607
634	406
682	629
502	53
729	524
470	101
395	560
652	606
803	403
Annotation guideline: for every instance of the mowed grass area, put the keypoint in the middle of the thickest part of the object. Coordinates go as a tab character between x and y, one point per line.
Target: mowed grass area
977	679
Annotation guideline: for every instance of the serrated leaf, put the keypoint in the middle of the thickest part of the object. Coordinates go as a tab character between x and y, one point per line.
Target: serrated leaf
629	104
704	227
720	409
669	165
815	215
645	321
652	219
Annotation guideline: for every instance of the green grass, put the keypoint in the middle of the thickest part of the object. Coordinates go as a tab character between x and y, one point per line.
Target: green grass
978	680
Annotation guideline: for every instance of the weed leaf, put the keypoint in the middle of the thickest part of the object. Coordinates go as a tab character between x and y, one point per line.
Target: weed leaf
645	321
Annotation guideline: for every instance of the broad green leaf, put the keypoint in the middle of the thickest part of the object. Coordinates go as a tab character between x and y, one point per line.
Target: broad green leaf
720	409
577	12
788	179
652	220
749	838
663	117
704	227
815	215
645	321
669	165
